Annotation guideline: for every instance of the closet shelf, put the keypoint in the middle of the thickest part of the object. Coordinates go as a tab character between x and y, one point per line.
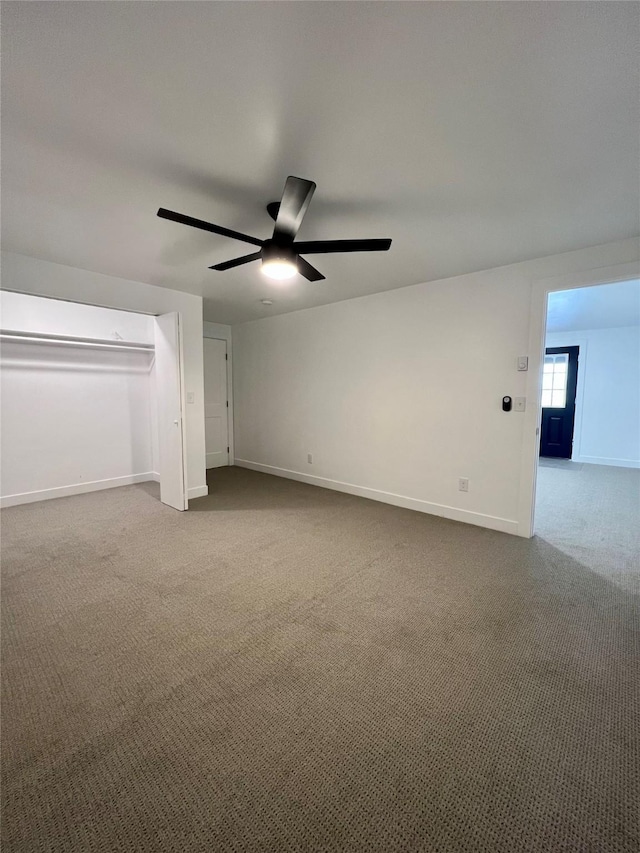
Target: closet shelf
67	340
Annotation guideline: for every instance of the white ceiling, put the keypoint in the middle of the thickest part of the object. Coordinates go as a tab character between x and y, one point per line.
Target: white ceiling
606	306
472	134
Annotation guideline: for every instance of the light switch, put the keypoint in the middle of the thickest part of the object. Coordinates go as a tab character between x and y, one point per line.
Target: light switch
191	396
523	362
520	404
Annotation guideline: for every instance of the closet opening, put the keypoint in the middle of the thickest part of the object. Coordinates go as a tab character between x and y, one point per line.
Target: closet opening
92	398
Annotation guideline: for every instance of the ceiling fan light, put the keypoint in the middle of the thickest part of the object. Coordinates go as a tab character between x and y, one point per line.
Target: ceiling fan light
279	269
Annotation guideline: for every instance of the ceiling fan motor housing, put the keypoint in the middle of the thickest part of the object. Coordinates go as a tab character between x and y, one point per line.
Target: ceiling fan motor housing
272	251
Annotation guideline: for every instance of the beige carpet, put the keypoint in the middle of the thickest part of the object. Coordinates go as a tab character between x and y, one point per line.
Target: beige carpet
592	513
285	668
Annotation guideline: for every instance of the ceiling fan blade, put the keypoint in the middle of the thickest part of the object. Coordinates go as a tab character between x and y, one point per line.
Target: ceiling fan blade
207	226
293	206
309	272
325	246
236	262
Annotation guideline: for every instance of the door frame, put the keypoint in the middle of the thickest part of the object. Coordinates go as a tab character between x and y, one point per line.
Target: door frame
577	339
540	290
220	332
571	389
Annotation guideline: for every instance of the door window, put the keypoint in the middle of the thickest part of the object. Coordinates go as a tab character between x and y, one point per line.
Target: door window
554	381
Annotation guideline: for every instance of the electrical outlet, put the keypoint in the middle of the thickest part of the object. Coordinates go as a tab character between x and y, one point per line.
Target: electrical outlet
463	484
310	458
520	404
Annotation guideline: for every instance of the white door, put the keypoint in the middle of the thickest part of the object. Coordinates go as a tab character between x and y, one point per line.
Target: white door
216	425
169	385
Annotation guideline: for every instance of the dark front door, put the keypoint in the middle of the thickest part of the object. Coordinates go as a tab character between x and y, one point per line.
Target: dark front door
559	381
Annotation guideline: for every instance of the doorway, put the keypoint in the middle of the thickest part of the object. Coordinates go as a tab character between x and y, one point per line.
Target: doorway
559	385
540	330
587	499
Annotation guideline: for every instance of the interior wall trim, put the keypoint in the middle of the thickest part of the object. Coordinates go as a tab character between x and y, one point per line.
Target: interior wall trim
76	489
605	460
504	525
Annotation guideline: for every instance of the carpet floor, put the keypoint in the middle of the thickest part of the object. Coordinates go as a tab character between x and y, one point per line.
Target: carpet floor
285	668
592	513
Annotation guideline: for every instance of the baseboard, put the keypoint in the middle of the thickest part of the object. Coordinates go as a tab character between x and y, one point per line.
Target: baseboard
197	492
504	525
605	460
75	489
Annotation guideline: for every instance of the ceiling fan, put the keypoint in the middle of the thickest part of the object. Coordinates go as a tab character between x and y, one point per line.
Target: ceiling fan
281	255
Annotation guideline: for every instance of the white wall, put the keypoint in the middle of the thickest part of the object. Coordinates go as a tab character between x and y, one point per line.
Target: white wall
220	331
398	394
30	275
607	428
73	418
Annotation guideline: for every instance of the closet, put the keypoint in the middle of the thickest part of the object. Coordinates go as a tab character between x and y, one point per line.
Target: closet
91	398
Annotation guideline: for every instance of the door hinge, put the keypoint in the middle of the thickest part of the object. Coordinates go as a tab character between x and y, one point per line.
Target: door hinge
227	404
227	449
226	357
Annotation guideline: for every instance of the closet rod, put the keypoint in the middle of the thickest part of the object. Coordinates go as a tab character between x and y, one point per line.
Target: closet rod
67	340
